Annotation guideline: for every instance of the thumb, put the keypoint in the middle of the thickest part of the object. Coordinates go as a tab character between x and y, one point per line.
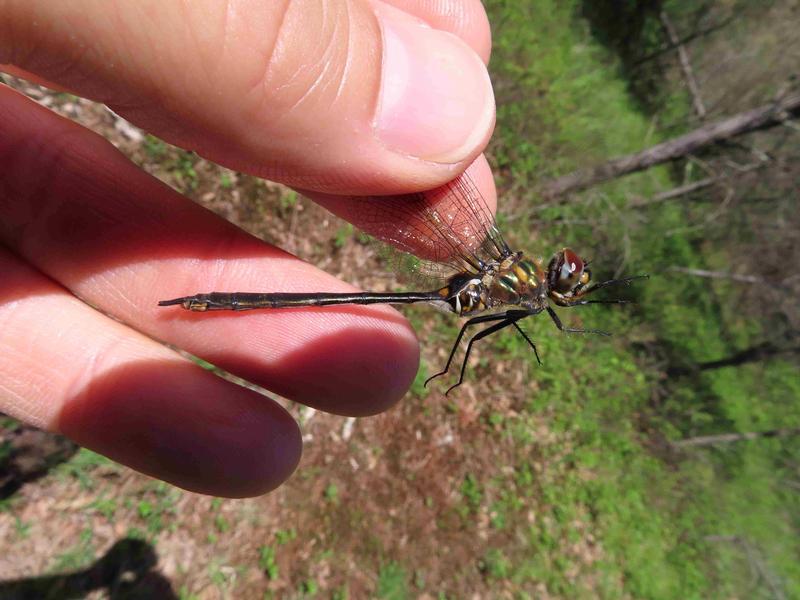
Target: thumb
355	96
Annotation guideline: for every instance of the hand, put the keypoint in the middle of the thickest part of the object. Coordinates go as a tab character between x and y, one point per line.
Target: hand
340	97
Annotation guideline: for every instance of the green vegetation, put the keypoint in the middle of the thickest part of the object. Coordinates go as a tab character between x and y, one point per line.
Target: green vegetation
332	493
559	480
266	561
284	536
82	466
392	582
659	521
77	557
157	509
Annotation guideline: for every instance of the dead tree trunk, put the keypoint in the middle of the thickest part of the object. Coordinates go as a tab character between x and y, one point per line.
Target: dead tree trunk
756	119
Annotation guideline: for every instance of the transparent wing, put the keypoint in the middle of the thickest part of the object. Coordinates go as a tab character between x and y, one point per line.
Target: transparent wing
414	272
451	226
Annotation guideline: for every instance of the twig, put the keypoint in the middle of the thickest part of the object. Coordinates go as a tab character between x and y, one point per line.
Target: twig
719	275
757	566
727	438
763	117
686	66
684	41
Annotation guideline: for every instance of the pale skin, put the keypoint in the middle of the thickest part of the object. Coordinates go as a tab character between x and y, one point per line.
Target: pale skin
328	97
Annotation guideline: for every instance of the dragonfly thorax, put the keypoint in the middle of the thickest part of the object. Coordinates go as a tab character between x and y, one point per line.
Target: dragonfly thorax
517	281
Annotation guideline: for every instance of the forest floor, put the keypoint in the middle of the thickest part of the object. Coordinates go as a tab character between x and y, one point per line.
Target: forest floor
551	481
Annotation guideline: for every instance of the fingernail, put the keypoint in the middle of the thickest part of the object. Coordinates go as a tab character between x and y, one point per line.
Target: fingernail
436	101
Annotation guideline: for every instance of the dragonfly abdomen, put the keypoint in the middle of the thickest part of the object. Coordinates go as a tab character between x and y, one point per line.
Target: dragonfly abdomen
250	301
465	293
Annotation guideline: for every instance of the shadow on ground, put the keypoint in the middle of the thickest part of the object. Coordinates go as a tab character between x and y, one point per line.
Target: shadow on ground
126	571
27	453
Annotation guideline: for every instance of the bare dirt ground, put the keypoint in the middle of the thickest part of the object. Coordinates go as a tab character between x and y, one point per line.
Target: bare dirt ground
377	505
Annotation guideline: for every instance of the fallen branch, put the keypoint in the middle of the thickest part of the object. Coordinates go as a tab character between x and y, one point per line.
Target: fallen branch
719	275
727	438
694	186
683	41
758	567
686	66
763	117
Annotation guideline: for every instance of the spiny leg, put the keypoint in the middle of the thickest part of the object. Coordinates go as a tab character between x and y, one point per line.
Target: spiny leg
527	339
472	321
584	302
480	335
561	327
603	284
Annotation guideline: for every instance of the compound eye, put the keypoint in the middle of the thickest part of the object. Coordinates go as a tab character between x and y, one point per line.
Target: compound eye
571	272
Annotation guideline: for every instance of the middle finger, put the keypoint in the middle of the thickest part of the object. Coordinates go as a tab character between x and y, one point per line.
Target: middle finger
73	206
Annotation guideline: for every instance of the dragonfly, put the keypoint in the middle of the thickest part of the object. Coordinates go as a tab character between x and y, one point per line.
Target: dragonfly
455	238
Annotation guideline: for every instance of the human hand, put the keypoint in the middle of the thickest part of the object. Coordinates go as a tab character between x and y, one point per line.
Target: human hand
341	97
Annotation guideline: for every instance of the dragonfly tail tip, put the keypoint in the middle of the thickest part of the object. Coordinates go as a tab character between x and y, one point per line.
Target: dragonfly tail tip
172	302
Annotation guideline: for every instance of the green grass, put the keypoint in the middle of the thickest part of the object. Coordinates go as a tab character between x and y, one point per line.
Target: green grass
562	104
79	556
592	508
266	562
392	582
82	466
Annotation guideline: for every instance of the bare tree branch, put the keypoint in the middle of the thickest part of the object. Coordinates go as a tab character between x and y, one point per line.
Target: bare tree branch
685	40
686	65
694	186
727	438
719	275
763	117
757	566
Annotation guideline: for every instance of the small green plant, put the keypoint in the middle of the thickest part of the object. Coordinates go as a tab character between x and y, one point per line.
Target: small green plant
105	506
154	147
135	533
185	594
157	509
226	180
284	536
221	524
343	234
472	492
144	508
332	493
309	588
340	593
495	419
418	388
184	171
495	564
266	562
80	556
392	582
22	528
288	200
81	466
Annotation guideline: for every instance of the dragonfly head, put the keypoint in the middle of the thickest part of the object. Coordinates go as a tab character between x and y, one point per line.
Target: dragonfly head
567	275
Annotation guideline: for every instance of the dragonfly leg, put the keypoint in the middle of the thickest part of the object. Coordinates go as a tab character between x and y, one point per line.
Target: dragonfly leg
530	343
561	327
599	286
471	322
584	302
480	335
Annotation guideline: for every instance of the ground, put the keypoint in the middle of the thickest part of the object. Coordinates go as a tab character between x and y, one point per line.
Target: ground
551	481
